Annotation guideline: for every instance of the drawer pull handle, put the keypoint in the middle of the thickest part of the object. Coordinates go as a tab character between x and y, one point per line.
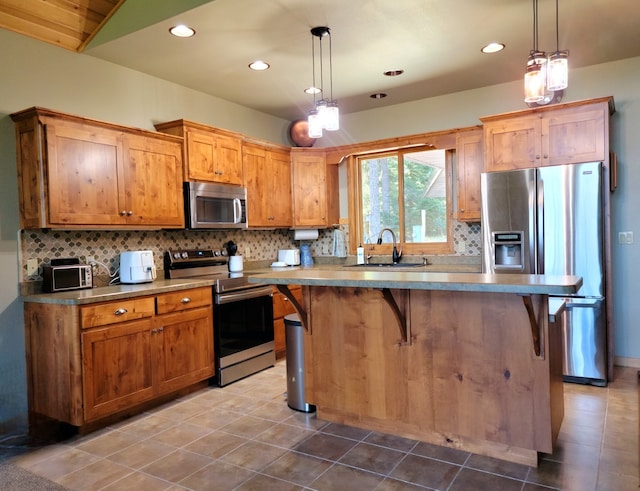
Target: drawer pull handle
158	330
186	300
120	312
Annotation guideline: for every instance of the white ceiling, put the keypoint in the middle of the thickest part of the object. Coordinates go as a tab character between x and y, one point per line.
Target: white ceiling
436	42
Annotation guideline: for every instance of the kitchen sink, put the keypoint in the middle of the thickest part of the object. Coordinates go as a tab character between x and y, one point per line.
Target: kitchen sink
385	265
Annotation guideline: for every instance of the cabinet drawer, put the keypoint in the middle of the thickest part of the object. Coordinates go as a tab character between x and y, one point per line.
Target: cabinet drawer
183	300
113	312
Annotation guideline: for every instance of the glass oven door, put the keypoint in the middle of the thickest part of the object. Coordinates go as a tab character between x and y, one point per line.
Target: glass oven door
243	325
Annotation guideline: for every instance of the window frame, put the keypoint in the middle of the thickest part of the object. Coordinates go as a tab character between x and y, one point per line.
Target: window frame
356	227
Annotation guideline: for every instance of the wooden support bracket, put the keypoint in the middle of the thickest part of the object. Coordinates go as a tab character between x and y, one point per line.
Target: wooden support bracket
402	321
535	331
302	312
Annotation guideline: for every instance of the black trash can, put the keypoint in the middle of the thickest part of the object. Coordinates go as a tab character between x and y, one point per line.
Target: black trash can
294	335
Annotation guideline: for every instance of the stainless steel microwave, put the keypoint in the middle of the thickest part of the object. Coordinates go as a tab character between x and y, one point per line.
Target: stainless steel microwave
209	205
66	277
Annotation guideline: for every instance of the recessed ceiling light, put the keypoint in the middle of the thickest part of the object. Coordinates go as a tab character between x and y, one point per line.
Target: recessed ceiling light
182	31
312	90
378	95
259	65
492	48
393	73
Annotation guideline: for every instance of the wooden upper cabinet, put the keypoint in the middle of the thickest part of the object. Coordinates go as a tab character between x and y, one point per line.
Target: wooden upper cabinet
553	135
267	173
79	173
315	190
211	154
469	166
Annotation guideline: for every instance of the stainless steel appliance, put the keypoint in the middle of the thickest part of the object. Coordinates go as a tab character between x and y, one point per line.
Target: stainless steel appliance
550	221
218	206
61	276
242	315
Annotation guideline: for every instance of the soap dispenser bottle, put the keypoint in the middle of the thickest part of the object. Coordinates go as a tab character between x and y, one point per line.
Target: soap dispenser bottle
360	254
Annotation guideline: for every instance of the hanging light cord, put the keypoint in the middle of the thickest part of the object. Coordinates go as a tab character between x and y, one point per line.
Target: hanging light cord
535	25
331	66
557	29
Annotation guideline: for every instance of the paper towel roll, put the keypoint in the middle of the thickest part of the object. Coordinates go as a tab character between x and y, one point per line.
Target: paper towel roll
308	234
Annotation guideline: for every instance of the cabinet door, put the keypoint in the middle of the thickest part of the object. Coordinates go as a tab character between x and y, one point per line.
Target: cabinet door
153	180
184	348
512	143
575	135
117	367
201	155
228	160
278	188
84	175
314	191
267	176
279	338
469	162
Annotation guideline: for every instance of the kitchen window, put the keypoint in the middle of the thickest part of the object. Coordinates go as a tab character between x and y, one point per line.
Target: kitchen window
408	191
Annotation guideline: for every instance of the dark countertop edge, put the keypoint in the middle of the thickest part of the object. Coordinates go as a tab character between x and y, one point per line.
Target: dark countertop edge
472	282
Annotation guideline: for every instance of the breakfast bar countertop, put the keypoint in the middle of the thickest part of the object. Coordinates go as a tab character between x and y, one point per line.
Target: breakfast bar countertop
414	280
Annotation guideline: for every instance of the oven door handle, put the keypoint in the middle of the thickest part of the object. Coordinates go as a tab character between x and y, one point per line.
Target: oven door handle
236	296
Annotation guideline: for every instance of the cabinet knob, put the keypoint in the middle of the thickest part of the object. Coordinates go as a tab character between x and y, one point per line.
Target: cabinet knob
185	300
120	312
129	213
461	210
546	156
123	212
537	157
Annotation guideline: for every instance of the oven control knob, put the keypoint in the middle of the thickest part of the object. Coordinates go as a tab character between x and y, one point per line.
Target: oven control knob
185	254
216	253
224	252
176	255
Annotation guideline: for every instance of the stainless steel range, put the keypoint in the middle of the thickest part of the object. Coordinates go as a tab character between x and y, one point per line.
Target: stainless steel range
242	314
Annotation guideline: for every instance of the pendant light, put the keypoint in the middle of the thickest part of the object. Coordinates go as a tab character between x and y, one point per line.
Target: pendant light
535	77
558	64
325	114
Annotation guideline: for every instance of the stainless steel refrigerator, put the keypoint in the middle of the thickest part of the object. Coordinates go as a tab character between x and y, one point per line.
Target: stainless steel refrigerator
550	221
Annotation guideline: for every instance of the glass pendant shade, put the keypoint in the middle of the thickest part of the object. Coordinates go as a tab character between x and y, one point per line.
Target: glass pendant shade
315	125
558	70
332	119
535	78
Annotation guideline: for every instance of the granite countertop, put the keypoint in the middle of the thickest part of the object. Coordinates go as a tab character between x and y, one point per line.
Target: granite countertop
461	277
116	292
409	278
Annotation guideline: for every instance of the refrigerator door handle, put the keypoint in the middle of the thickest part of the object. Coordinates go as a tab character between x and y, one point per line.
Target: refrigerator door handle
540	227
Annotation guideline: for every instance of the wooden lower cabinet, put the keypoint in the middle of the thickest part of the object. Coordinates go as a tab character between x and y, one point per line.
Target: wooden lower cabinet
86	363
282	307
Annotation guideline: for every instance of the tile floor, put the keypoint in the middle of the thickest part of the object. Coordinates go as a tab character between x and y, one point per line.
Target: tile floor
244	437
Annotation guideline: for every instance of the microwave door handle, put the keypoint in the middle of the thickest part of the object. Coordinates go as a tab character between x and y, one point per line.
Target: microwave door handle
237	210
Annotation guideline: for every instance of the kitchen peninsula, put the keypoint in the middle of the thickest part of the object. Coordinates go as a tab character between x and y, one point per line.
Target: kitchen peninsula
468	361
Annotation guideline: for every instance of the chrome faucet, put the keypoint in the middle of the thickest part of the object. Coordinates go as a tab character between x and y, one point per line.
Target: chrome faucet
395	255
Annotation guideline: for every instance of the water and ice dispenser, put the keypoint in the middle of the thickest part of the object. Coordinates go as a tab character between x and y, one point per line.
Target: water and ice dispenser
508	251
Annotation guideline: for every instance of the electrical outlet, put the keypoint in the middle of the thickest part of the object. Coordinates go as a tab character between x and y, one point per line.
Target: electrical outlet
247	252
625	238
32	267
89	259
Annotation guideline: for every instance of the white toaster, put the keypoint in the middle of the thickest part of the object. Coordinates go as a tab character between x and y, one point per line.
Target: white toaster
289	256
137	267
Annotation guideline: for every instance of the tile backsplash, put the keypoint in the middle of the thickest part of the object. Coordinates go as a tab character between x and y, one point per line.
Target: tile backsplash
255	245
